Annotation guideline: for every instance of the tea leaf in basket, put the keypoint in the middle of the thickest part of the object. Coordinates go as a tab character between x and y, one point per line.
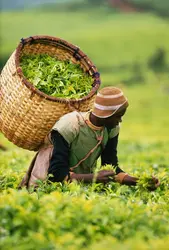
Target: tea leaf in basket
56	78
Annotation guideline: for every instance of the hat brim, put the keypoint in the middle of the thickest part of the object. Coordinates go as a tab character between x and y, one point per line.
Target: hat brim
108	113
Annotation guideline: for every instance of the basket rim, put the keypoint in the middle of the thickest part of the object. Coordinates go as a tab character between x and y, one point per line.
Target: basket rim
76	53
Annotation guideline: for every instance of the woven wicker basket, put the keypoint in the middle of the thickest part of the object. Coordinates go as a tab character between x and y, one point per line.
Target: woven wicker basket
26	114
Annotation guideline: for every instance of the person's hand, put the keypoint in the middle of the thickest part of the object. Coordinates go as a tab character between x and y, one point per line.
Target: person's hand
105	176
154	184
130	180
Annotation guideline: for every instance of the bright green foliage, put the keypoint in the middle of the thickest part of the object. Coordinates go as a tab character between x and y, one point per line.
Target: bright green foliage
105	167
95	217
146	181
56	78
77	216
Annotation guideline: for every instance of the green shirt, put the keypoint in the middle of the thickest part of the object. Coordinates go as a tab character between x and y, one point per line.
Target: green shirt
82	138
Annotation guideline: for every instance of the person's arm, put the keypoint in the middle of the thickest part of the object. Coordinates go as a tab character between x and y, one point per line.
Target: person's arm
59	163
129	180
109	156
103	176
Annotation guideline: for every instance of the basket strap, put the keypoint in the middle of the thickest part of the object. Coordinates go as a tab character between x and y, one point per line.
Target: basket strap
74	107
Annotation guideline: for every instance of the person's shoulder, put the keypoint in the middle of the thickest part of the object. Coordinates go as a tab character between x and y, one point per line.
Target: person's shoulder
74	117
69	124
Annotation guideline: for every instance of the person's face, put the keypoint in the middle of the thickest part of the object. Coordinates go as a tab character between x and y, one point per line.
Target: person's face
114	120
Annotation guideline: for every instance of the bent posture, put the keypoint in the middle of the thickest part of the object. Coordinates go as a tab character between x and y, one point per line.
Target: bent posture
78	139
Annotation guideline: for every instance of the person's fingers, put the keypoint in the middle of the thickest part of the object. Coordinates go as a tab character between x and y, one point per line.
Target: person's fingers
110	173
155	185
107	179
156	181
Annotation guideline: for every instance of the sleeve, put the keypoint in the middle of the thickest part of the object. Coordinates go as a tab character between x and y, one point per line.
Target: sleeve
109	154
59	163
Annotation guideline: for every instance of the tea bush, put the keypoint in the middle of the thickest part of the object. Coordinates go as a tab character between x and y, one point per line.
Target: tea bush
79	216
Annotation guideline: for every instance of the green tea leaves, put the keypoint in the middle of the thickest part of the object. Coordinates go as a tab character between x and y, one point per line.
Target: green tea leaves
56	78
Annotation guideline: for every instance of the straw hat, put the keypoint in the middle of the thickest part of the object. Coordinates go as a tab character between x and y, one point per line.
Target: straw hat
108	101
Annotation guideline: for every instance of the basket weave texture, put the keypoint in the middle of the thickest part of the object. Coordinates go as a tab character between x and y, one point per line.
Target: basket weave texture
26	114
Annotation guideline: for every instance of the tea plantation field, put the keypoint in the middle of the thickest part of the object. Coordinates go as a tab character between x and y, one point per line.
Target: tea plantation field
77	216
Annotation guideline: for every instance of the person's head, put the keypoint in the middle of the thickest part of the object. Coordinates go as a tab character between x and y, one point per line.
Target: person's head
109	106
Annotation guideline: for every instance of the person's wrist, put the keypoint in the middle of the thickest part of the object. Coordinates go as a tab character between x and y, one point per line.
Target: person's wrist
120	177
